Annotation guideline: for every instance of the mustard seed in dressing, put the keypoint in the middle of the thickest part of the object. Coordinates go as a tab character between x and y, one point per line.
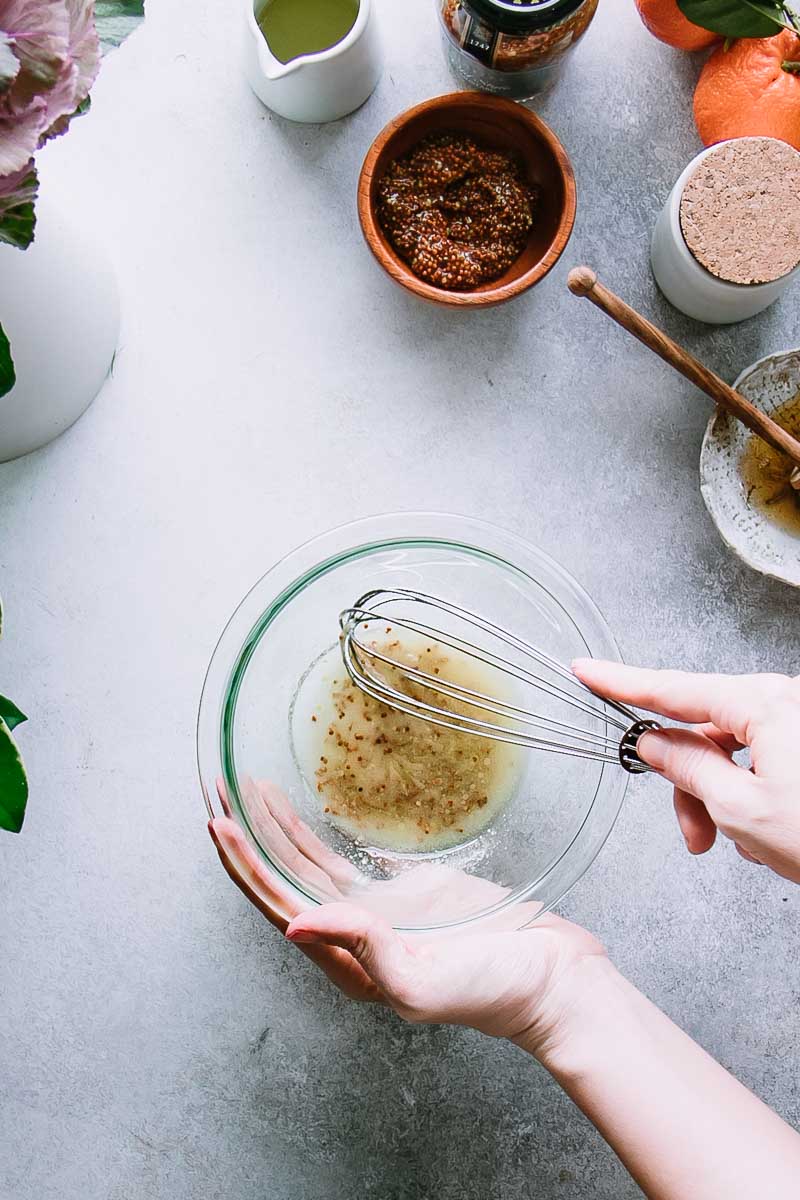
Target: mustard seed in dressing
457	213
392	781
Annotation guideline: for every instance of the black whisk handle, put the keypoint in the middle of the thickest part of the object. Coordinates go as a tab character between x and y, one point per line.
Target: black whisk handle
628	754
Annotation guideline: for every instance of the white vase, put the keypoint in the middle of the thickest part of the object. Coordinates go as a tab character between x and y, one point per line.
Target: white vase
59	307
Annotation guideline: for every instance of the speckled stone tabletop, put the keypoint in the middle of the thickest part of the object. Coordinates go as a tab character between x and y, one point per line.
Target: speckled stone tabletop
159	1041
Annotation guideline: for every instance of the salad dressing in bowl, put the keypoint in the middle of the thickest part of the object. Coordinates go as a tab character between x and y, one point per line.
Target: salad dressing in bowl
526	824
393	782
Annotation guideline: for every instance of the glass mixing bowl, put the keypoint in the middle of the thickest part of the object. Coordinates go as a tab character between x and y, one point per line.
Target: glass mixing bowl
257	712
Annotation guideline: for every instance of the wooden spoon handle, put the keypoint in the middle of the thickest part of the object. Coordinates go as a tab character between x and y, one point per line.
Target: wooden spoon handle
582	281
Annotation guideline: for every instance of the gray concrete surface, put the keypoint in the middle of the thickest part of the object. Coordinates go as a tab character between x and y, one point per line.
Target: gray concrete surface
159	1042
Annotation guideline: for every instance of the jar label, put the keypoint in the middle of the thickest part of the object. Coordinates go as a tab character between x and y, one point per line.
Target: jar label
480	40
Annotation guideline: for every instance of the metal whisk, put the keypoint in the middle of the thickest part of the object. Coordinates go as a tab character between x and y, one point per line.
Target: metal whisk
615	728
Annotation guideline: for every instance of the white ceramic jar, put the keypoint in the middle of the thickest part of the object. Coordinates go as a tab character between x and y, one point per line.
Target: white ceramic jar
60	309
687	284
318	87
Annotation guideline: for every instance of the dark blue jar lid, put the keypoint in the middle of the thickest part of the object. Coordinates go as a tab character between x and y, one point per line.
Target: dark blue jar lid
521	16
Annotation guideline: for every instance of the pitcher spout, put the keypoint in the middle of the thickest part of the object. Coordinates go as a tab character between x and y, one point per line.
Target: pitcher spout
270	65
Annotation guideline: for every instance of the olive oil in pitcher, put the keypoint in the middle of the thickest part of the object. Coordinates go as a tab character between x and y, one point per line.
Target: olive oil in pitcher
296	27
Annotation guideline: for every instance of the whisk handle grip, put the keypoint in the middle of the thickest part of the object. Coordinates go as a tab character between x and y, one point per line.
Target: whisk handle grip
582	281
628	752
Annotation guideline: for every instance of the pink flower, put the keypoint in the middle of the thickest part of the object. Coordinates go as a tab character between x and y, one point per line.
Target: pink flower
20	130
56	56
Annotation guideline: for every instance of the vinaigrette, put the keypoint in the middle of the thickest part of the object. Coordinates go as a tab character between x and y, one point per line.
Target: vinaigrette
396	782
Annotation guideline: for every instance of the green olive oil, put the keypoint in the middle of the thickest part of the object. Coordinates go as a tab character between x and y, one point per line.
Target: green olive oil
295	27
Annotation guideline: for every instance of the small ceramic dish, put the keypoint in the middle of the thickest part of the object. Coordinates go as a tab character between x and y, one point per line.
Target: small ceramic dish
500	124
761	543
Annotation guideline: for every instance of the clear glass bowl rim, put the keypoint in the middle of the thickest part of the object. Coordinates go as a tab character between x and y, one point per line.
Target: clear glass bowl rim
253	615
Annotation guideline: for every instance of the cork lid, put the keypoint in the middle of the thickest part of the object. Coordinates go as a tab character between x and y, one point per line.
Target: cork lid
740	210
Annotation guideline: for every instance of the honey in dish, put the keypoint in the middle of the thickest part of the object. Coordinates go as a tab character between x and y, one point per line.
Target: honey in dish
765	473
399	783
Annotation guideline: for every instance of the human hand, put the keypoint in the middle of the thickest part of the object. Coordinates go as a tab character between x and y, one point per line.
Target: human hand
283	831
520	984
759	808
505	981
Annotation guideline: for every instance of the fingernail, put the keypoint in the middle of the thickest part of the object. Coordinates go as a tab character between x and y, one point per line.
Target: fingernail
653	747
301	935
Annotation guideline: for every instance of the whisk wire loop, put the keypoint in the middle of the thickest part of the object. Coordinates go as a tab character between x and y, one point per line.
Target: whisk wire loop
524	727
402	702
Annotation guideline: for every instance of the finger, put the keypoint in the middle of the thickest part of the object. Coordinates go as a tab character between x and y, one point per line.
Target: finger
699	831
222	792
344	972
242	864
338	869
273	838
698	766
247	872
726	741
729	701
385	957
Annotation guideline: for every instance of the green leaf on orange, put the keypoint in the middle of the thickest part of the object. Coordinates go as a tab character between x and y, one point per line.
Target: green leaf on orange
737	18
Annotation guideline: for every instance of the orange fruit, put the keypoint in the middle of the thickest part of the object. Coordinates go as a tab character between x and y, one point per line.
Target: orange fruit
750	91
666	22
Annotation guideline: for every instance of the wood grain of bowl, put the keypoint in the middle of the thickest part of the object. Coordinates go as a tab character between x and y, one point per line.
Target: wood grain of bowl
499	124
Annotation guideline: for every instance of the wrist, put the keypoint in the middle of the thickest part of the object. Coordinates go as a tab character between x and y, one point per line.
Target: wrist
648	1088
586	1005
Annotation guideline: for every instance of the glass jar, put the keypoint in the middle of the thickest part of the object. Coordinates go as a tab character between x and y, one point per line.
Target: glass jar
511	47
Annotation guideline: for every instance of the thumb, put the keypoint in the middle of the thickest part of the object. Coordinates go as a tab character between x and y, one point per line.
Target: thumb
371	940
700	767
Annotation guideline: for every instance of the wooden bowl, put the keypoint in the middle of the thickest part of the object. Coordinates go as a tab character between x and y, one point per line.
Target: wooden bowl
499	124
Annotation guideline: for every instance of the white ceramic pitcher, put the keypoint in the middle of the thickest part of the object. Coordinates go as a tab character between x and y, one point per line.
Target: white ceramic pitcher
315	87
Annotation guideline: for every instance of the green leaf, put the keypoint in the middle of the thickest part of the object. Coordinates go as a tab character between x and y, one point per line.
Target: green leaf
116	19
13	783
737	18
8	376
17	214
10	713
